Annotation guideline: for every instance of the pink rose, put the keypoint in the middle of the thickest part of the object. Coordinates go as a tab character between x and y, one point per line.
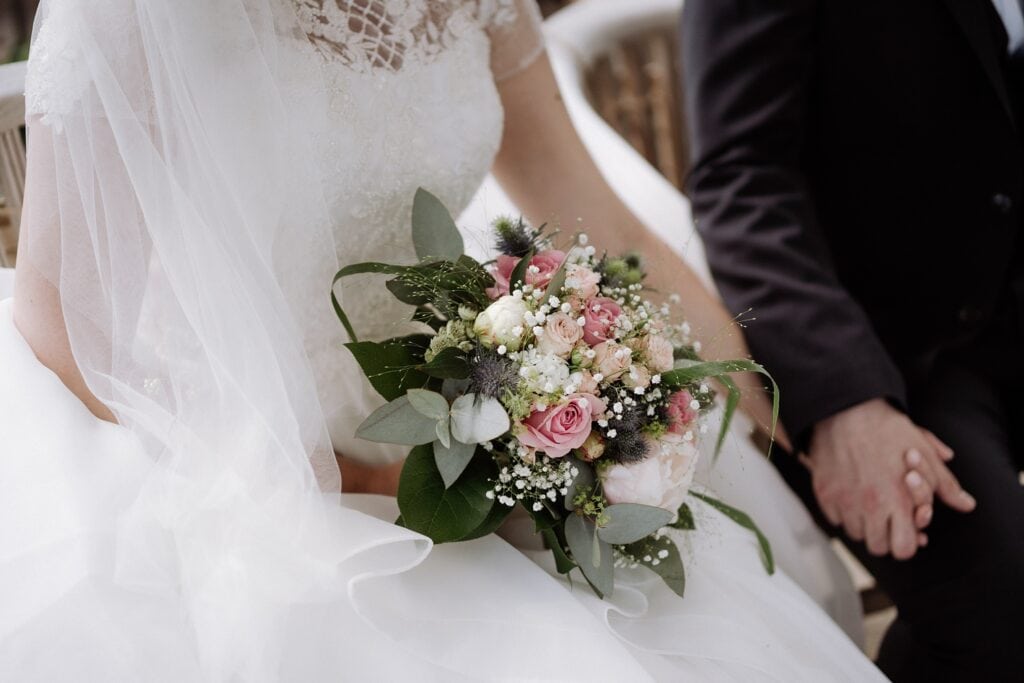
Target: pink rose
637	376
546	263
587	383
582	280
656	350
561	428
662	479
561	332
681	413
612	360
600	315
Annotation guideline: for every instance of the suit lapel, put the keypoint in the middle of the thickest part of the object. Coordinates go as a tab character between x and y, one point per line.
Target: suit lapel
972	17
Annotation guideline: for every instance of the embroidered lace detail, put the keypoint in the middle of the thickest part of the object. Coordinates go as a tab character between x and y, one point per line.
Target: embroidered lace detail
391	34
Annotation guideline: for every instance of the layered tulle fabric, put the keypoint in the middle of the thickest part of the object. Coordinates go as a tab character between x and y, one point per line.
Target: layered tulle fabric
356	598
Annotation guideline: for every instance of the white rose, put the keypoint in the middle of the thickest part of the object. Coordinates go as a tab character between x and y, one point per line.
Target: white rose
637	376
662	479
561	332
501	323
658	352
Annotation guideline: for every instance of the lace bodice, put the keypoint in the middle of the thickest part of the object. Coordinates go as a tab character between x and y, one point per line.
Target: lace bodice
412	103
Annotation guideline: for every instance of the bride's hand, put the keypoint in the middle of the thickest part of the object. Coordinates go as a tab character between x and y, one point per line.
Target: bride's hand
359	478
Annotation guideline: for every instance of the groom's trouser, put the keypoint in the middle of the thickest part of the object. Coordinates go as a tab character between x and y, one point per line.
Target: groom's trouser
961	599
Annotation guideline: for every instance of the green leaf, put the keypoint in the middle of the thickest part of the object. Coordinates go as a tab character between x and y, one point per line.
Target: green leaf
390	366
687	372
732	402
554	287
499	513
685	519
563	563
585	478
444	433
744	520
440	513
358	269
630	522
434	234
452	459
451	389
398	422
664	552
518	277
593	555
478	419
429	404
450	363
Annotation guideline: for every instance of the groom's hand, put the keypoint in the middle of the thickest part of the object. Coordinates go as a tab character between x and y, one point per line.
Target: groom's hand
861	462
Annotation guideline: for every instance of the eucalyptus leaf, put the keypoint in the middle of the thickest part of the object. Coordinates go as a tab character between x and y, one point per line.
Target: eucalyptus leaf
452	459
444	433
745	521
450	363
630	522
661	556
398	422
593	555
429	404
434	233
478	419
518	277
444	514
390	366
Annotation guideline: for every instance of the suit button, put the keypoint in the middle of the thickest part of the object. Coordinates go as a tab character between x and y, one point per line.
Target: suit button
1003	203
970	316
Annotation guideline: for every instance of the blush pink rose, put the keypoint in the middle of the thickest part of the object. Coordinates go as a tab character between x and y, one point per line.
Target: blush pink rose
656	350
681	413
561	332
546	262
583	281
599	316
561	428
612	360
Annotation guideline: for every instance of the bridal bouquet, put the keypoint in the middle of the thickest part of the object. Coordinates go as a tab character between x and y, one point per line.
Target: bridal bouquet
549	381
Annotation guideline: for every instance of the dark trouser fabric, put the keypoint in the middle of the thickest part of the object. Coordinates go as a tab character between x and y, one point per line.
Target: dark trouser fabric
961	599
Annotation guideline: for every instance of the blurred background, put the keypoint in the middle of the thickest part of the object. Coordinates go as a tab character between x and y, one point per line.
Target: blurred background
15	28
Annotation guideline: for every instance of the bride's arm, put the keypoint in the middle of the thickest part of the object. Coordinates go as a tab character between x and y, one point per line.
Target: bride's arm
546	170
37	309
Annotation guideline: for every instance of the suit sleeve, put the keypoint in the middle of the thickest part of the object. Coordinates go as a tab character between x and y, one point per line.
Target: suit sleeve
746	69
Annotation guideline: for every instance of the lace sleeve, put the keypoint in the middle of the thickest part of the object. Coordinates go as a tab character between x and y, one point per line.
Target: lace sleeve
516	38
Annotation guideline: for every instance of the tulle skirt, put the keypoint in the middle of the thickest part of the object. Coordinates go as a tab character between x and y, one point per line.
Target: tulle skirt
382	603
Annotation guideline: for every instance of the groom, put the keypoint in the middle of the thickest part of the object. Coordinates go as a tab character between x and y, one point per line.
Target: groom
859	186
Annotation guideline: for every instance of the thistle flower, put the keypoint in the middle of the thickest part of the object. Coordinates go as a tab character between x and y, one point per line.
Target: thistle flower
513	237
493	375
625	442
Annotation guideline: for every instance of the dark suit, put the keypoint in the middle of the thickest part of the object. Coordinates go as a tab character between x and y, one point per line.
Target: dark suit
859	185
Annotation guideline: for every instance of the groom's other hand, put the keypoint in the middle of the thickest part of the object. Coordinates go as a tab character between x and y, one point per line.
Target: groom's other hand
861	461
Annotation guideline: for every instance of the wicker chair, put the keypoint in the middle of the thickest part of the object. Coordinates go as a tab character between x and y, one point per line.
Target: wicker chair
12	158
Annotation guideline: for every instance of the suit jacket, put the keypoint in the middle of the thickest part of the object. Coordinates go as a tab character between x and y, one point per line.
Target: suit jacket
857	181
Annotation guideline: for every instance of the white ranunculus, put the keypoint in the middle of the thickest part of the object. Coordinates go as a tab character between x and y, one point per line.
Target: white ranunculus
501	323
661	480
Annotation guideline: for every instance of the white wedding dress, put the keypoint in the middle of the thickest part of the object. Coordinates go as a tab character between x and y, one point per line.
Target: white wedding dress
198	171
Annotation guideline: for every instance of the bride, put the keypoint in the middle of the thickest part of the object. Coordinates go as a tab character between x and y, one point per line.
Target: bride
174	391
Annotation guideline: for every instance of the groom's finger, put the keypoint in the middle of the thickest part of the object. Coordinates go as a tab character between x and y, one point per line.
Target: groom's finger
920	492
950	491
876	533
903	533
945	452
854	526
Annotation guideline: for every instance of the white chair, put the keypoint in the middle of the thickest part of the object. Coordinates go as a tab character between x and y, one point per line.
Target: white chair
12	168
